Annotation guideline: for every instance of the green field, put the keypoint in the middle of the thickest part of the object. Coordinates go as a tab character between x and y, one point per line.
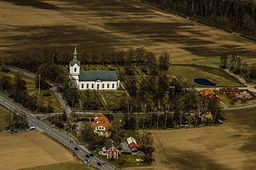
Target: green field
46	96
4	116
190	72
76	165
114	99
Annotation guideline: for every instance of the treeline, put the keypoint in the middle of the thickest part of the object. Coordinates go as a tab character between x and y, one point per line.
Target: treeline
235	65
232	15
42	58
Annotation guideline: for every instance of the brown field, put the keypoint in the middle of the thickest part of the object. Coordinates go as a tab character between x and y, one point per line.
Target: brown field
228	146
30	149
112	24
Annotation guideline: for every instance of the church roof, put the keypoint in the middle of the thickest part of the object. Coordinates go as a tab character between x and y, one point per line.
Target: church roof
74	61
98	75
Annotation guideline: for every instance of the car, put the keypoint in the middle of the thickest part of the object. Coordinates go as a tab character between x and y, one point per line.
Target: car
99	164
91	155
86	161
76	149
32	128
87	156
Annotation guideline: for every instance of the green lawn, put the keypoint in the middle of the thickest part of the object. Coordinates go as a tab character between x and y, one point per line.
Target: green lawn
190	72
114	99
4	116
125	160
46	95
76	165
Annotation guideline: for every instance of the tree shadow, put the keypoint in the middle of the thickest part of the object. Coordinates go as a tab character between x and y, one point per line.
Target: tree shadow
184	160
33	3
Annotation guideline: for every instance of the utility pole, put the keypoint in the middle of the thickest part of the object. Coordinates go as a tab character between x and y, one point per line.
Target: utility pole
39	84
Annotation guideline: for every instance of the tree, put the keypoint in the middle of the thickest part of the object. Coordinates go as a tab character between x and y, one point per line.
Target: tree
5	83
18	121
50	71
90	138
70	92
223	61
19	90
214	108
164	61
237	67
146	139
253	71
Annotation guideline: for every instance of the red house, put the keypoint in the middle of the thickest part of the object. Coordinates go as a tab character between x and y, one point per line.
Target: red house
111	151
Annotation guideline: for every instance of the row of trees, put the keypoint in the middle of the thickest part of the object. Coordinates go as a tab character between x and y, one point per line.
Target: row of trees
46	58
182	110
235	65
234	15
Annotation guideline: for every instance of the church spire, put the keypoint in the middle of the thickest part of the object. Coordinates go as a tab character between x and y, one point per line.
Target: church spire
75	53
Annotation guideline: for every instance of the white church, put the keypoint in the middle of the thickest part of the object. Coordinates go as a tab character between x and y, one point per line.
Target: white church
92	80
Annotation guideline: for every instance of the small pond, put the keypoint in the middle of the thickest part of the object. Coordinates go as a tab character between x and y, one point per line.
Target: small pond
204	82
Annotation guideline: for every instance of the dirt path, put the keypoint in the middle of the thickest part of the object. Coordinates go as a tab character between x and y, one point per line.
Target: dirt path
105	25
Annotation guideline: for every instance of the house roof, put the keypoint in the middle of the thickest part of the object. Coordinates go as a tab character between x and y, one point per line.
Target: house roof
125	148
101	120
207	92
109	144
98	75
131	140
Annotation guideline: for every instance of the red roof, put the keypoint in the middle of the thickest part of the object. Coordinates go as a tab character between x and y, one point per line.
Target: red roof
101	120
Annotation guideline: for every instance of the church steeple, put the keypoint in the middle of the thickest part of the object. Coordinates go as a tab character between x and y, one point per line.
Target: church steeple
75	53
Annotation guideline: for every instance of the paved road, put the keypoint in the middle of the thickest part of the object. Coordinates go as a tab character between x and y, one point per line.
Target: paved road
60	136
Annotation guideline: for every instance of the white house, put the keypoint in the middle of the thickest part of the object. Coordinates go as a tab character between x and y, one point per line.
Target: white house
92	80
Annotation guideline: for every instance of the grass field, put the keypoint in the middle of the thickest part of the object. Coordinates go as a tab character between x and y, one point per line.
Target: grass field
216	75
30	149
74	165
228	146
113	24
4	116
46	95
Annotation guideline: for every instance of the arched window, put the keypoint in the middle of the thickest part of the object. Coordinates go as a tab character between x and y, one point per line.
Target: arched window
108	85
113	85
103	85
82	85
74	69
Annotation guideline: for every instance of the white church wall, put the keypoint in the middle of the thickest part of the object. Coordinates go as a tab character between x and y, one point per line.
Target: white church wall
98	85
74	70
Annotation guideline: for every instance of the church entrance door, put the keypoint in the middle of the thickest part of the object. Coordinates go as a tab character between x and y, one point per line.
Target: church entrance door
98	86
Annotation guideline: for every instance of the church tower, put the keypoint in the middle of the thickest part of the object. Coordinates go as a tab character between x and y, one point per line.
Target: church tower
74	66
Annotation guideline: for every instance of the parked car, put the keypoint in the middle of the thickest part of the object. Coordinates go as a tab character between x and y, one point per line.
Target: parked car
99	164
76	149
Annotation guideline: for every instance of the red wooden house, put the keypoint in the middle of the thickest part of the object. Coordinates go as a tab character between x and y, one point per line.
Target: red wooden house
111	151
